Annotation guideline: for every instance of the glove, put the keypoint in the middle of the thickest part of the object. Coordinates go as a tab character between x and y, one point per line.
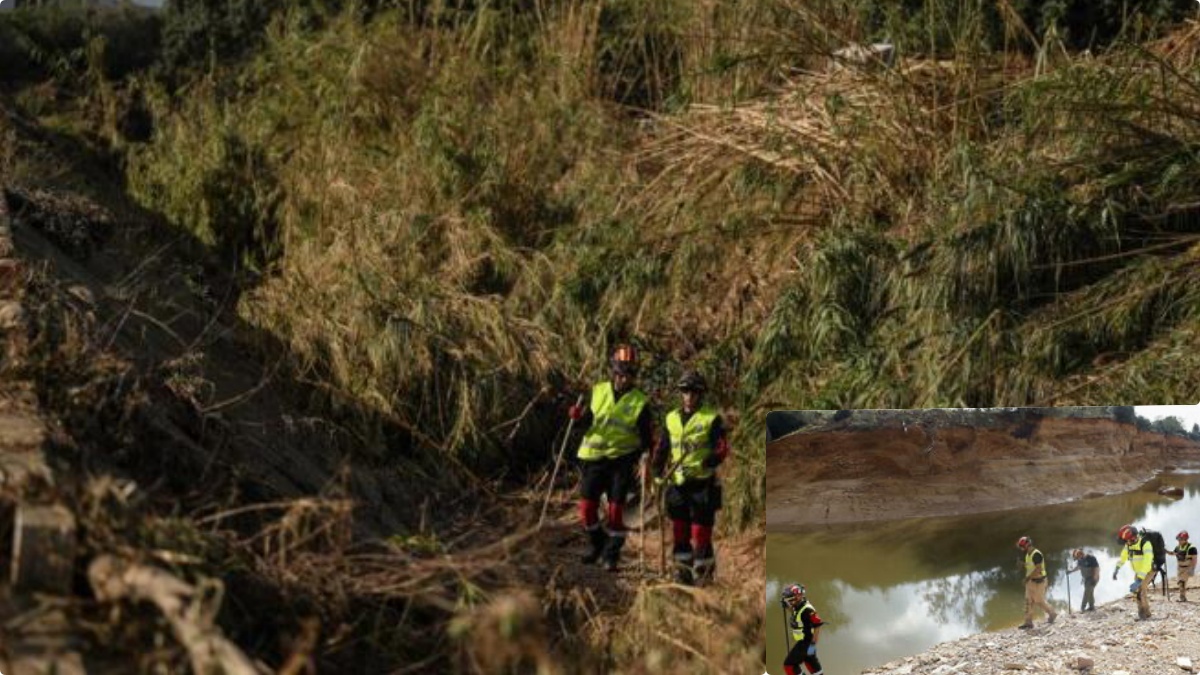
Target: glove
812	650
576	412
1133	588
1115	574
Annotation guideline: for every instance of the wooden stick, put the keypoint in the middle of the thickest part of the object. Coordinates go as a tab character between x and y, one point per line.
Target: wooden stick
557	462
643	474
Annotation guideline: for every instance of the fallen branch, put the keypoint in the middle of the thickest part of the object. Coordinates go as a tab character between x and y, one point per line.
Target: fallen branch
189	609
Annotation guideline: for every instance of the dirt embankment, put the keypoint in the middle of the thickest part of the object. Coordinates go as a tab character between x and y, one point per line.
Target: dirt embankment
155	421
833	474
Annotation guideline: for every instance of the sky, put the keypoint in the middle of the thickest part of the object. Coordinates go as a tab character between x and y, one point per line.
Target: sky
1188	414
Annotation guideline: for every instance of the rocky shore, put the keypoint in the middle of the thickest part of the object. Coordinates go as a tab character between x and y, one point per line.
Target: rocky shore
1108	641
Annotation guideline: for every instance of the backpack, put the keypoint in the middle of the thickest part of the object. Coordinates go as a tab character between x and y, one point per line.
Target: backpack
1160	547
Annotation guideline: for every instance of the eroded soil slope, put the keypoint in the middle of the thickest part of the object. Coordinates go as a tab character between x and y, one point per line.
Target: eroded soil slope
838	473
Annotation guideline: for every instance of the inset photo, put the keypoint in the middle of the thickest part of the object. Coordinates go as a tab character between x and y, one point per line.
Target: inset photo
983	540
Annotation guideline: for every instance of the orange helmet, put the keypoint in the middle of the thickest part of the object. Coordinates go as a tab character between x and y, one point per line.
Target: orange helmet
1182	536
1024	542
1127	533
625	359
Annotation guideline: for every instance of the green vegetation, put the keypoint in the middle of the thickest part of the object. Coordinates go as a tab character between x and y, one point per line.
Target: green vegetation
445	210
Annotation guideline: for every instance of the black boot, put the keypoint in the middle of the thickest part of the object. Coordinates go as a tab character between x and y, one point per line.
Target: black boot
612	551
598	540
705	566
683	565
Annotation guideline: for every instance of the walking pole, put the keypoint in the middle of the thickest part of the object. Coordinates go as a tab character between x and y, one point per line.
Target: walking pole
557	462
661	485
787	634
662	528
642	476
1069	589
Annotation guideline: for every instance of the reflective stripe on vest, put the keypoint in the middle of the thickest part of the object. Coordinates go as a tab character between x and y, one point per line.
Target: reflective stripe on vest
1029	564
1139	558
614	430
798	633
1182	554
691	443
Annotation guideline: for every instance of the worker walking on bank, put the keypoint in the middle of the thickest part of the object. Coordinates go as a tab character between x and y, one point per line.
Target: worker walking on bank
1035	583
1185	555
806	631
695	445
1089	569
1139	551
621	429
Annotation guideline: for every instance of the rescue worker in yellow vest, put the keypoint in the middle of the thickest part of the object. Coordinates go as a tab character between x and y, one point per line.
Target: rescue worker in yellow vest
1140	554
1035	583
806	631
621	429
1185	556
691	450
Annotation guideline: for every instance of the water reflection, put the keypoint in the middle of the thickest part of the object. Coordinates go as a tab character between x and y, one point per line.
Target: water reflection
895	589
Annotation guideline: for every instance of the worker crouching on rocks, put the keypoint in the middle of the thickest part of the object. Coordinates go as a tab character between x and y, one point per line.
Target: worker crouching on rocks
1140	554
1035	583
806	631
1185	556
621	429
694	445
1089	569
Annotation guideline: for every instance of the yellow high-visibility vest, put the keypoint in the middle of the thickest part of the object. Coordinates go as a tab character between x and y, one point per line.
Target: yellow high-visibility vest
799	633
614	431
690	444
1140	554
1029	564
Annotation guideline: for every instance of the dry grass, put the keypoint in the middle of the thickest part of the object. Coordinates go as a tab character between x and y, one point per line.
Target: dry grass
444	220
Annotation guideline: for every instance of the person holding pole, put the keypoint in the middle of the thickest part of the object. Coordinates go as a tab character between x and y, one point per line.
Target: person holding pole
620	428
805	627
1089	570
696	445
1139	551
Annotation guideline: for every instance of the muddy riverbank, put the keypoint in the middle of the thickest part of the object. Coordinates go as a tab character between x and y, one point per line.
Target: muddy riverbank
896	588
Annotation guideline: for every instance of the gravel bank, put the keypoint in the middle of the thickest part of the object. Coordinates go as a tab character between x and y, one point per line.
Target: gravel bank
1107	641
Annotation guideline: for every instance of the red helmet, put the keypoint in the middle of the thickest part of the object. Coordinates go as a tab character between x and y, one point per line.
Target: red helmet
1127	533
794	591
625	359
1183	535
1024	542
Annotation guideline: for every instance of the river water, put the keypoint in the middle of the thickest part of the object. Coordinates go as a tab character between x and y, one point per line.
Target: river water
888	590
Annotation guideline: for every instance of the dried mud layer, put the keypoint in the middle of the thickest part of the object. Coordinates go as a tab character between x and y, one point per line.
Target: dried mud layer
837	475
1107	641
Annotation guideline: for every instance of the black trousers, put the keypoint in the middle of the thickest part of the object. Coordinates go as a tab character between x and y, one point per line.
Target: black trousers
696	501
612	477
799	655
